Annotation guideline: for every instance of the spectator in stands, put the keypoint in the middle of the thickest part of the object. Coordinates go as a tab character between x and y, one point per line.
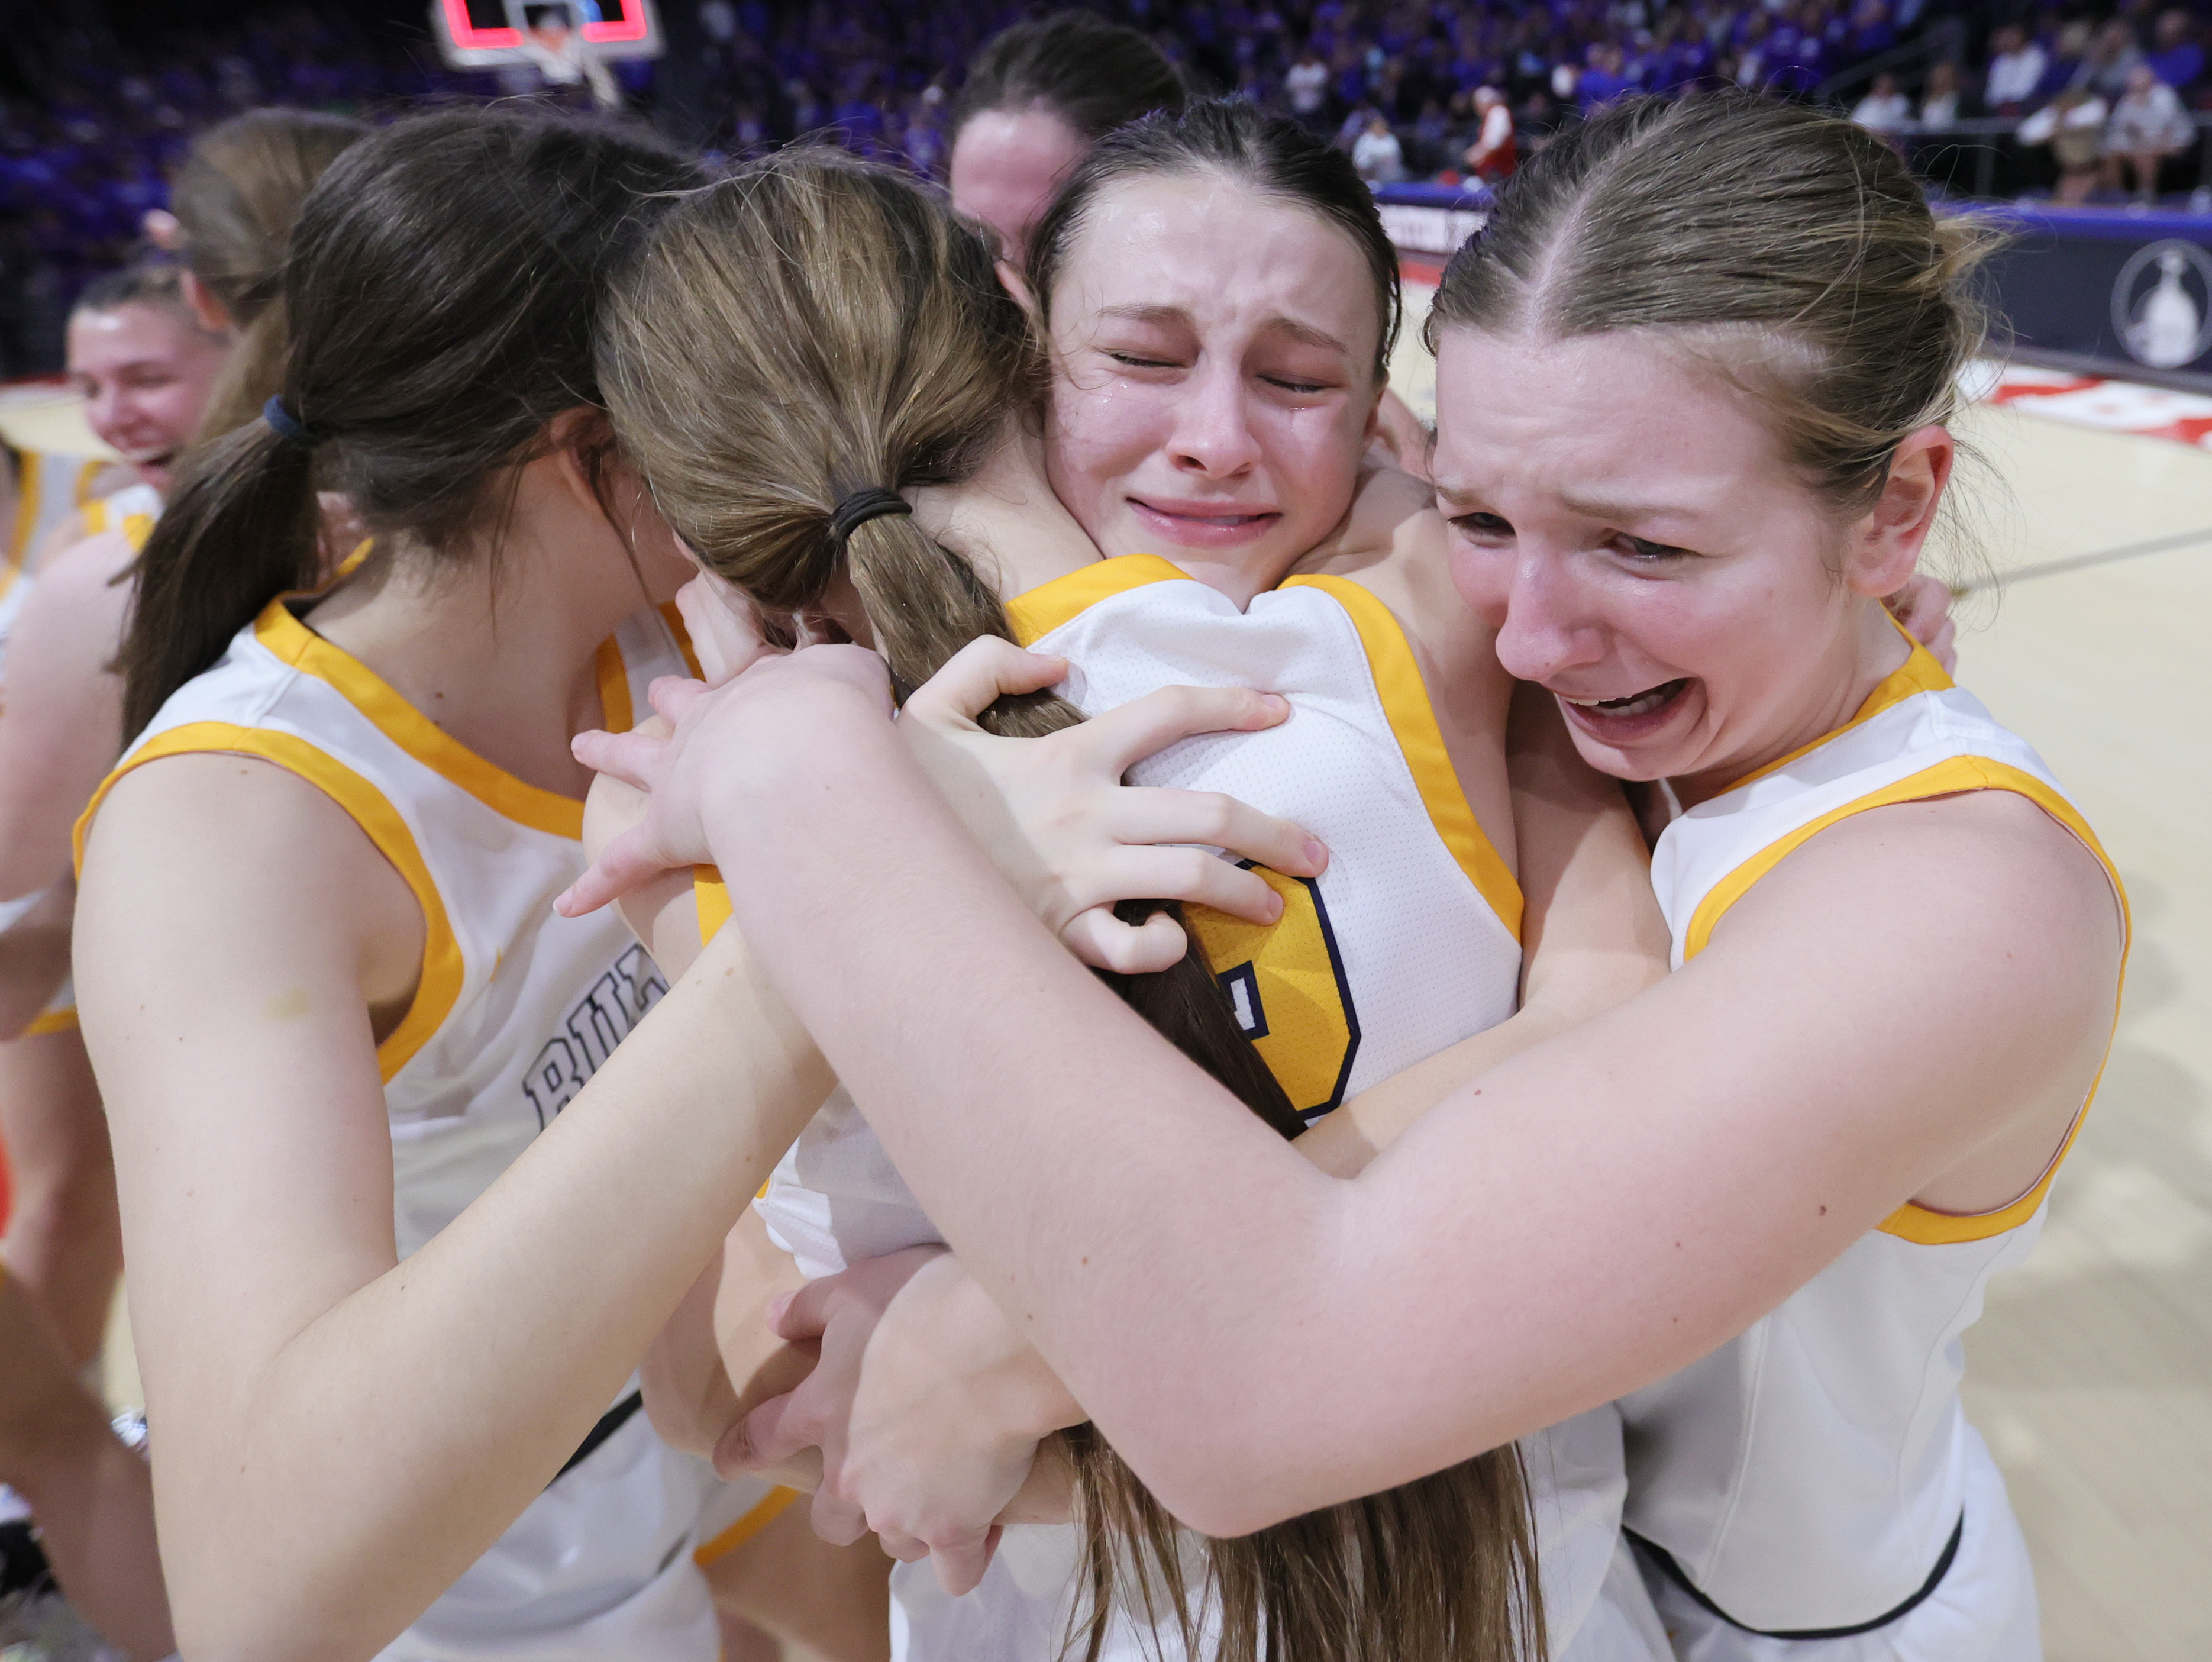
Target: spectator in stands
1037	97
2112	57
1492	157
2069	61
1377	154
1305	83
1884	110
2148	124
1939	100
1602	80
2178	58
2016	72
2073	124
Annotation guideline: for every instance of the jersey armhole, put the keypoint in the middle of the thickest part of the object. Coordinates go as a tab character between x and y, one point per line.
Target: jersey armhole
440	987
1953	776
711	896
1404	697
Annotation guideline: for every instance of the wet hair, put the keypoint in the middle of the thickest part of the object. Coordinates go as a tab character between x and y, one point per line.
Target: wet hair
1789	249
1093	75
442	288
235	196
815	327
1265	155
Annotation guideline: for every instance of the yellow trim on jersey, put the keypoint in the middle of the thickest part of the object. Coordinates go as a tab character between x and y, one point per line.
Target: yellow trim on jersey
295	643
614	686
17	554
440	988
1404	697
52	1022
1035	614
86	476
1920	1224
762	1515
135	527
711	896
1919	672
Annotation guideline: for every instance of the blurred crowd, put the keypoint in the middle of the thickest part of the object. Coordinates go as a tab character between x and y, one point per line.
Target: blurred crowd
93	118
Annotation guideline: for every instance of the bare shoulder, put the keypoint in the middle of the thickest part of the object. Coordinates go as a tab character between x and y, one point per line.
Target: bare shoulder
86	572
212	845
1984	901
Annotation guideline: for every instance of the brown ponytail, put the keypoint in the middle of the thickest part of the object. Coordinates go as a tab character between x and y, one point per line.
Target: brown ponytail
815	326
443	285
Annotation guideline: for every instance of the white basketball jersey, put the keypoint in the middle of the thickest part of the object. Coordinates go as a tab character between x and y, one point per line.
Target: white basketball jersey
48	490
1407	944
1809	1477
515	1009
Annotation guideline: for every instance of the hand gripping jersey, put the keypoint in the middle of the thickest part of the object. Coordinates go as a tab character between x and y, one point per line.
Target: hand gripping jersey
1407	944
515	1010
1812	1488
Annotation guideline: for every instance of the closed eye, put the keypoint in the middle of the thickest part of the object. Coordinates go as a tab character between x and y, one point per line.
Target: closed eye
1483	527
1643	549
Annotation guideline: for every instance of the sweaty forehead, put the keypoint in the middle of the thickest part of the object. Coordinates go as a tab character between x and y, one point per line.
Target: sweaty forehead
132	333
1206	246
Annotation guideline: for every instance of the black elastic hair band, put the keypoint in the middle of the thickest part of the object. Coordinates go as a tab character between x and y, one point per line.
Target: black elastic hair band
288	426
857	509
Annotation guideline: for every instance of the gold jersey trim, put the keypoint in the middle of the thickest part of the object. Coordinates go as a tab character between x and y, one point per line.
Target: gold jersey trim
1919	1224
293	643
764	1513
1037	613
440	987
1412	719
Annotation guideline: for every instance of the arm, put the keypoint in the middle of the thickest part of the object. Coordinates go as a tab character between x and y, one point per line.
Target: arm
1684	1163
92	1497
61	711
321	1407
1591	934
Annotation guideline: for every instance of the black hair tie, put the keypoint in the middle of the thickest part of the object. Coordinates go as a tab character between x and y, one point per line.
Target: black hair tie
288	427
857	509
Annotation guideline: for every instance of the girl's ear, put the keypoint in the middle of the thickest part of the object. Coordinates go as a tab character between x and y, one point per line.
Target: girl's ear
214	316
1887	543
582	441
1011	280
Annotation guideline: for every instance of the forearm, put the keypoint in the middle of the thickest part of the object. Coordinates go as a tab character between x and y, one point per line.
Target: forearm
966	989
415	1418
718	1357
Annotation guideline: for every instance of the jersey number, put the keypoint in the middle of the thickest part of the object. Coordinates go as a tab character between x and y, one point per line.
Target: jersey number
1286	982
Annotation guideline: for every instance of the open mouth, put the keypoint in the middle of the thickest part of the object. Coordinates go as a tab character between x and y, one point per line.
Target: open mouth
1646	702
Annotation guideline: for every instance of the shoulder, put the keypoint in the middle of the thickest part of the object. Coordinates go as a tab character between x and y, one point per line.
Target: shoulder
1981	900
82	568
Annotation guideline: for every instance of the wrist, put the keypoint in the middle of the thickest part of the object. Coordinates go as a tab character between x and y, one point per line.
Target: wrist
1021	1392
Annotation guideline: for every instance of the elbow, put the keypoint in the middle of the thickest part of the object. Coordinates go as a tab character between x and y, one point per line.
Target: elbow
1221	1486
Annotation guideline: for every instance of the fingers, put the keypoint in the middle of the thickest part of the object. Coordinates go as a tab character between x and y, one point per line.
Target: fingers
633	757
672	695
1103	941
1120	739
1154	815
840	1522
961	1561
806	1313
978	675
770	1435
724	626
624	864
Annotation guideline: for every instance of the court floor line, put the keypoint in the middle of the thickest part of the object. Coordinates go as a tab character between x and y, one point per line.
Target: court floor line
2083	562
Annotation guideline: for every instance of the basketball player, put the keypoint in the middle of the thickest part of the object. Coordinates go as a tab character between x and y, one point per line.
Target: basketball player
1758	1202
350	1011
